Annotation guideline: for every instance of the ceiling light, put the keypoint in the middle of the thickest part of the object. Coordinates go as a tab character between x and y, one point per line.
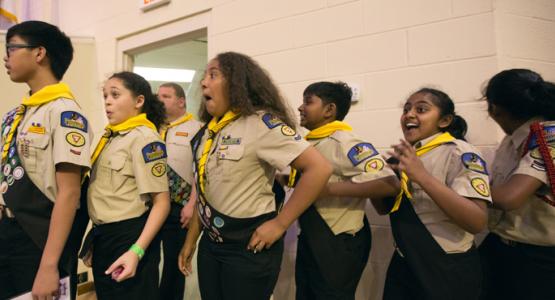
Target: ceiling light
165	74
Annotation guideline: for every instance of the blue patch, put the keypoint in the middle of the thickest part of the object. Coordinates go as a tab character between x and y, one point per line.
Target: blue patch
73	119
360	152
298	137
549	131
154	151
474	162
271	121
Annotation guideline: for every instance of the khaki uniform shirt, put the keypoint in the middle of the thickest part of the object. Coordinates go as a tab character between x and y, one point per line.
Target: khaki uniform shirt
353	160
242	164
131	166
459	166
49	134
533	222
178	144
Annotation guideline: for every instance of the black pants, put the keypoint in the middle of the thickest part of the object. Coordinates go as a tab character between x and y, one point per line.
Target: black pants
110	242
350	253
19	259
517	271
230	272
173	236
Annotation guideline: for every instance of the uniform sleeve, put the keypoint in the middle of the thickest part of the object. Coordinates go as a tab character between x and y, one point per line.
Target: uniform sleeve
149	165
361	162
279	144
72	135
469	174
532	164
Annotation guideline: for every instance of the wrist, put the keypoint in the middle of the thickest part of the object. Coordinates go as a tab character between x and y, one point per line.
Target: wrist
138	250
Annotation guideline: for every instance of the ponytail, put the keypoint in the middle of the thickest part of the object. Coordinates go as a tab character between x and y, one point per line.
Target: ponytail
457	128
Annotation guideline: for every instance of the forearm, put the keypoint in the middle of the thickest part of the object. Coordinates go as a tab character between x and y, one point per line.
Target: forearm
194	229
158	214
468	214
375	189
515	192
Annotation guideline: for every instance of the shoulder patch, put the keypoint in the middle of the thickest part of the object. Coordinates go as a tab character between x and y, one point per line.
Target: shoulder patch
474	162
549	130
271	121
154	151
288	131
75	139
374	165
360	152
73	119
480	186
158	169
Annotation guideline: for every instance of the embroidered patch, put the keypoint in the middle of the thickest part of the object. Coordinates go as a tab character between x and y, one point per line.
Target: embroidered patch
158	169
219	222
271	121
75	139
549	131
474	162
37	128
288	131
298	137
538	165
360	152
480	186
75	152
374	165
228	140
154	151
181	133
18	172
73	119
536	154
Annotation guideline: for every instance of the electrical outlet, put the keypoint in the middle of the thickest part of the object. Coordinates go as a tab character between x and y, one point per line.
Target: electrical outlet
355	88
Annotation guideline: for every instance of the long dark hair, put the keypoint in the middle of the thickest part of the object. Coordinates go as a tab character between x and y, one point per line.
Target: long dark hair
154	109
523	93
250	88
458	126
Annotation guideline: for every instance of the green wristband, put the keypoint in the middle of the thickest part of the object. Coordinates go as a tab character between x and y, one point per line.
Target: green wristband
137	250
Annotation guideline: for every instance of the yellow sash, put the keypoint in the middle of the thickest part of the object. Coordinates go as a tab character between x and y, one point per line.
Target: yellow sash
213	128
46	94
110	130
319	133
436	142
183	119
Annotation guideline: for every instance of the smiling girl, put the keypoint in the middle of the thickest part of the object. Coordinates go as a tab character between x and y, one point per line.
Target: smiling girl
441	206
128	198
248	136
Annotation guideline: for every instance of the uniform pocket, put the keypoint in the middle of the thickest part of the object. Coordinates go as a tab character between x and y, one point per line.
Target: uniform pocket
119	169
31	148
228	158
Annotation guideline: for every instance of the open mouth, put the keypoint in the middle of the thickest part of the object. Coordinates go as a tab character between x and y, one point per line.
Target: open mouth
411	126
207	97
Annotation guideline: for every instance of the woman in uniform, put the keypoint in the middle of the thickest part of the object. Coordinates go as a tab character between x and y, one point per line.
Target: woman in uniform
442	204
128	198
248	136
519	253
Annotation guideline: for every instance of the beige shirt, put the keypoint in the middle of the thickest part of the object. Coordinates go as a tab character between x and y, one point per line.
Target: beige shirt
49	134
178	145
131	166
242	164
534	221
352	160
459	166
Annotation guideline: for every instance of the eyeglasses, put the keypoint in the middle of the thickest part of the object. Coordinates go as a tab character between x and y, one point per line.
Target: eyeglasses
12	47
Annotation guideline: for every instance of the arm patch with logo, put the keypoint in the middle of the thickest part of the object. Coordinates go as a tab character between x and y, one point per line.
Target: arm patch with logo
73	119
474	162
360	152
271	121
154	151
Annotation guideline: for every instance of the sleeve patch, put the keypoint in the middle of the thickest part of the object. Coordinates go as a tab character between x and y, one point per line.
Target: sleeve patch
480	186
271	121
474	163
75	139
288	131
159	169
549	131
374	165
154	151
360	152
73	119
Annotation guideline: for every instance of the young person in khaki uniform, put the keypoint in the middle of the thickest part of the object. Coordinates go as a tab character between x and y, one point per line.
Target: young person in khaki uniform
128	198
520	250
335	238
443	203
248	137
45	143
178	131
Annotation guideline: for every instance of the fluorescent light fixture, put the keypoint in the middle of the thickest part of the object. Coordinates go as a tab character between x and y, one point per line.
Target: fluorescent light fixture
165	74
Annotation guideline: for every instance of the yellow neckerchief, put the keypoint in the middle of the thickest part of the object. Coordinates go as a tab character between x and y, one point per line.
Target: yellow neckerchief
110	130
213	128
47	94
183	119
319	133
434	143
